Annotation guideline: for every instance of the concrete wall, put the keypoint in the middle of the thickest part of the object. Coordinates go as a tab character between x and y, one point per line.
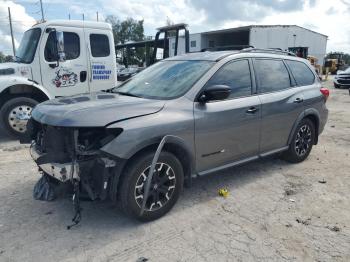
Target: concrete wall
282	37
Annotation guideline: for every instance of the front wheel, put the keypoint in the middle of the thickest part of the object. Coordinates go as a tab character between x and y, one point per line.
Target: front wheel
166	185
15	114
302	142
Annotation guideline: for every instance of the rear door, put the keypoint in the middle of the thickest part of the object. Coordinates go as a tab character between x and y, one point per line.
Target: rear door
228	130
281	102
65	78
102	59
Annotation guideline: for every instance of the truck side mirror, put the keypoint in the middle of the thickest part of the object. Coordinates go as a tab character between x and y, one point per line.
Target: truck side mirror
61	56
54	50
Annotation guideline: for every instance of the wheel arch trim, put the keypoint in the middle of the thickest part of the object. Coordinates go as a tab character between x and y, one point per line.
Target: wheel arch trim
310	113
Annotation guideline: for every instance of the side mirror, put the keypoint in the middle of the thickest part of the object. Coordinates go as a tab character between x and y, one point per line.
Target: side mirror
61	56
215	92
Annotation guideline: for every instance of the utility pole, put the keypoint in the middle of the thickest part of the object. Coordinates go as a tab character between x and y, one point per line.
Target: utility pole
13	40
97	16
83	17
69	16
42	11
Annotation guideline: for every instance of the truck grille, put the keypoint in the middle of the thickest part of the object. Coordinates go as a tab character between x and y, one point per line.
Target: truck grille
344	81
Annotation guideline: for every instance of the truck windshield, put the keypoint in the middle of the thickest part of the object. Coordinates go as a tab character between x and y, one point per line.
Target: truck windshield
26	50
165	80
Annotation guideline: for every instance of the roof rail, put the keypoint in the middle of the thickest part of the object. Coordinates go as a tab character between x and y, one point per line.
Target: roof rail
227	48
267	50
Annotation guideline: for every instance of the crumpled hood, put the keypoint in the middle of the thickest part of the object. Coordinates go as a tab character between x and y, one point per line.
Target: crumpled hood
18	69
93	110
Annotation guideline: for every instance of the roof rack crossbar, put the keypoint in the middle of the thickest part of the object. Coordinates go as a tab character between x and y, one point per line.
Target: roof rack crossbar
267	50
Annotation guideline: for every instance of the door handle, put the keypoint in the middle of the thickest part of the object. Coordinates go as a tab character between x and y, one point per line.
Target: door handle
298	100
83	75
252	110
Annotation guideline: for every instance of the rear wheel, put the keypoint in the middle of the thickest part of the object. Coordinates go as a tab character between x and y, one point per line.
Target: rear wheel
302	142
166	185
15	114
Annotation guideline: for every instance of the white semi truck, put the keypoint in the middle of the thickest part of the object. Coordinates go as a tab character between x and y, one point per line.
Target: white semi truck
54	59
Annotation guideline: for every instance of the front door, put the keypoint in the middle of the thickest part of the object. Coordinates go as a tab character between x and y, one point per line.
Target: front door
68	77
227	131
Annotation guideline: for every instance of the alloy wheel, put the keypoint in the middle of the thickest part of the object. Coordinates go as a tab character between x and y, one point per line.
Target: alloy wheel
303	140
162	187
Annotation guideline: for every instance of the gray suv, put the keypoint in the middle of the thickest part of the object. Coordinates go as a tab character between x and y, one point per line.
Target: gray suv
186	116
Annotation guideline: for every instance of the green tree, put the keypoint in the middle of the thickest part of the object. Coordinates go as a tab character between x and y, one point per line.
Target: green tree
2	57
129	30
9	58
5	58
347	59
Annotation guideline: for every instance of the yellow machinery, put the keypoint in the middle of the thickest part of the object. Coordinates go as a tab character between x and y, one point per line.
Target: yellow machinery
314	62
334	62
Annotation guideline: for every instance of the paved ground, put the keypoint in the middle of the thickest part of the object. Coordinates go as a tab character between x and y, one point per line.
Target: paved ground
275	212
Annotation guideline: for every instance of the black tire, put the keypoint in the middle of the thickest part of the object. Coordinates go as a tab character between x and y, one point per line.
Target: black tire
6	110
300	147
133	174
336	85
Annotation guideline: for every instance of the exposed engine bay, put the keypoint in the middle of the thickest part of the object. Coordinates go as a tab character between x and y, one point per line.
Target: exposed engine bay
68	154
72	156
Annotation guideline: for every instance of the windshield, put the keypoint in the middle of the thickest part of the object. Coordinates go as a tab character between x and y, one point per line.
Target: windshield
26	50
165	80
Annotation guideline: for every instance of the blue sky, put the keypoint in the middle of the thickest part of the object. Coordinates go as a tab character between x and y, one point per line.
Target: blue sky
327	17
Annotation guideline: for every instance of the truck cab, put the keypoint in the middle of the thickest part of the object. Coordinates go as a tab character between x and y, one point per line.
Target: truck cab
55	59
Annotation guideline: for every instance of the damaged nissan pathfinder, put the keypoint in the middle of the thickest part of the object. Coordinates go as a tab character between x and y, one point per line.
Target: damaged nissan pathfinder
183	117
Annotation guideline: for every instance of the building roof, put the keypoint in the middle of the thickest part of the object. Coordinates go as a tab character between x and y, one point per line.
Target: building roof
247	28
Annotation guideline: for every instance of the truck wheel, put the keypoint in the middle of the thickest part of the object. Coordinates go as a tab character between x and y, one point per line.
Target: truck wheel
166	185
15	114
302	142
336	85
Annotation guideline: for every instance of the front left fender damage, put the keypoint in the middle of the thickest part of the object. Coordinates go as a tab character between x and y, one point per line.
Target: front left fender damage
72	154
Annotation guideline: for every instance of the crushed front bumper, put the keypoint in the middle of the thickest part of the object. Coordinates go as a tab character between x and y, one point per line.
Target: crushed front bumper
60	171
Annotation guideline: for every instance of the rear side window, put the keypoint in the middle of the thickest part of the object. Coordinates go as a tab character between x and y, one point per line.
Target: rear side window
301	72
71	46
99	45
236	75
272	75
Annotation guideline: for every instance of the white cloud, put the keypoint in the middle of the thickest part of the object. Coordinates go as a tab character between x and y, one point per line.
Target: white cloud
21	22
334	24
327	17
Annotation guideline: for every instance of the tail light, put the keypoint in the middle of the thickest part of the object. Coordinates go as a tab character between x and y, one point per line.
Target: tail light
325	92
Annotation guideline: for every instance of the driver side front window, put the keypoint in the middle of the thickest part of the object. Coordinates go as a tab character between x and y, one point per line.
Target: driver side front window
235	75
71	46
